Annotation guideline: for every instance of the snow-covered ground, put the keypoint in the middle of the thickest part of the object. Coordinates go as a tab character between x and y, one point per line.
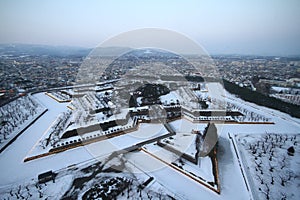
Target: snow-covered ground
283	123
274	172
187	188
170	98
59	96
144	133
52	135
18	115
203	171
15	172
184	140
175	181
12	167
93	179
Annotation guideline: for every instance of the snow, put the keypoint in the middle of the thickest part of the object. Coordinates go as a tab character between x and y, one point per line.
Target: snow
185	187
64	182
14	171
26	106
206	167
169	98
59	96
282	121
184	140
202	94
216	91
203	170
274	172
186	126
280	89
32	191
178	183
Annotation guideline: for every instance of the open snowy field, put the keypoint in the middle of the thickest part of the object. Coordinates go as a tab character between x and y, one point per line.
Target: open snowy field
272	164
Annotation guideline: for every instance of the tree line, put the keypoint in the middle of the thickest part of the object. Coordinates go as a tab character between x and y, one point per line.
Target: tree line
261	99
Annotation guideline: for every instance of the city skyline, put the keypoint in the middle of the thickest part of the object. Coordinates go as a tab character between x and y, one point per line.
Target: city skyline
231	27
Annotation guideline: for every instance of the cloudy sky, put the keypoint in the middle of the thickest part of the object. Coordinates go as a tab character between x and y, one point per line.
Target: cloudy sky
267	27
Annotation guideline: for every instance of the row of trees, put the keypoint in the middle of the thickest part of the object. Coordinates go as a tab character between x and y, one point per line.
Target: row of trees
56	130
247	114
61	96
261	99
26	191
16	113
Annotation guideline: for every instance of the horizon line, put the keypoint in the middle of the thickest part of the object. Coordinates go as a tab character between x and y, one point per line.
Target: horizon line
211	54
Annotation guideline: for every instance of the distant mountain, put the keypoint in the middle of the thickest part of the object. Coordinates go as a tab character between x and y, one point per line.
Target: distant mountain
152	52
110	51
39	50
124	52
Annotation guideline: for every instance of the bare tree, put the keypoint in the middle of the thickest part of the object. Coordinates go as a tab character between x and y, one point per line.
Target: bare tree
40	194
260	179
283	196
267	192
290	175
272	180
271	169
283	163
282	180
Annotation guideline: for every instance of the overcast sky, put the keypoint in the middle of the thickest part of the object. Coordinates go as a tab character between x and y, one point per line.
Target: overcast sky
267	27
